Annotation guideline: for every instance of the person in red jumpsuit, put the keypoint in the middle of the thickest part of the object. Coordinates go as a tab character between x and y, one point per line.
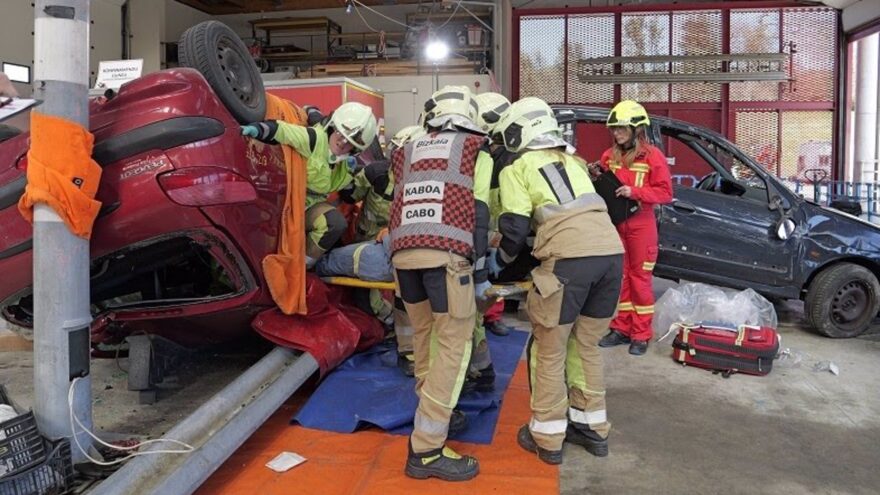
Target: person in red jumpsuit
643	171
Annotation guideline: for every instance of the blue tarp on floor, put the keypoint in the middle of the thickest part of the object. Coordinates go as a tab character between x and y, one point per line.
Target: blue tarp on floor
369	389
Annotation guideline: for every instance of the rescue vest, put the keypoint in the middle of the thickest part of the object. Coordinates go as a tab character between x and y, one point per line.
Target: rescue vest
433	205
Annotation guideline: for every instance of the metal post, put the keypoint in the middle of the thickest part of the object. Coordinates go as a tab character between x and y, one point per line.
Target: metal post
216	429
865	128
61	260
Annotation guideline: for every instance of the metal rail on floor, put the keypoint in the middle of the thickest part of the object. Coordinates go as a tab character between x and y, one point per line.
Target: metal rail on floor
216	429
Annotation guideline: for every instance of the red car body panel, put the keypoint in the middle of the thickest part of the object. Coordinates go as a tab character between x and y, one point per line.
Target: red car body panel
138	213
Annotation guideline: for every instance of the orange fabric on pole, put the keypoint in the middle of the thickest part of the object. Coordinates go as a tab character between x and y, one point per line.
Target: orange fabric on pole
285	271
371	462
61	173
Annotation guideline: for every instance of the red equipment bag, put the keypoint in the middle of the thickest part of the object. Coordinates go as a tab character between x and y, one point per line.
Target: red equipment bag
745	349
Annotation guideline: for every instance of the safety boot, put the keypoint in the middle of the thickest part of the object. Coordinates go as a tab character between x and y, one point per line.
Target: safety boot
480	381
525	440
443	463
407	363
613	338
638	347
588	439
458	422
496	327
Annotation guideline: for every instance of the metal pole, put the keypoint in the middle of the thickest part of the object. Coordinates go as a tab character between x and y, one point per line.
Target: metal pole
216	429
61	259
865	128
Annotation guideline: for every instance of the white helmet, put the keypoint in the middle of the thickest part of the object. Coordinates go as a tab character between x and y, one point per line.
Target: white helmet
356	123
525	120
491	106
407	134
452	104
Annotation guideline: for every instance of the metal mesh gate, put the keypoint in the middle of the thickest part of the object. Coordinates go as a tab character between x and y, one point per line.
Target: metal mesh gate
786	125
644	34
754	31
812	33
590	35
757	133
542	68
696	33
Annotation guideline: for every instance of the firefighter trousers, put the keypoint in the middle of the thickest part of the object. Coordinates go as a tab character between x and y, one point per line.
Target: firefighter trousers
441	307
635	312
324	227
570	305
403	329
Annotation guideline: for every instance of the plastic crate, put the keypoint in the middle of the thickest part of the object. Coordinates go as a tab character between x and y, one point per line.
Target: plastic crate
53	476
21	445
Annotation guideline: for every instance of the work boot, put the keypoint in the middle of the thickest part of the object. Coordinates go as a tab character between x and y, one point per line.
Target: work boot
587	439
443	463
458	422
525	440
613	338
480	381
638	347
407	363
496	327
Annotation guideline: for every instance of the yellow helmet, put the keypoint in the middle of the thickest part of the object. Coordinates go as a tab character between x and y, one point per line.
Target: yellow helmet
628	112
451	101
525	120
356	123
407	134
490	107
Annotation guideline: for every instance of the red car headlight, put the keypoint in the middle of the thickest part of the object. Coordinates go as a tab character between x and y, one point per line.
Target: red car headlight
207	186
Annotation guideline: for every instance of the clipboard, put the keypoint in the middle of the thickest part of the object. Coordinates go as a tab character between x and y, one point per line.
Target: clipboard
9	107
619	208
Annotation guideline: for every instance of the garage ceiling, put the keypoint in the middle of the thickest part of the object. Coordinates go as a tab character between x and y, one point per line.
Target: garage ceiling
220	7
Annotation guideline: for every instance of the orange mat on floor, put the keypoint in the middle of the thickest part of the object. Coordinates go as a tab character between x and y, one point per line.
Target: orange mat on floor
371	461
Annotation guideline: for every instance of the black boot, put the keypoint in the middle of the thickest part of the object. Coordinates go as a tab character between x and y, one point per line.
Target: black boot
443	463
525	440
496	327
613	338
638	347
458	422
406	363
588	439
481	381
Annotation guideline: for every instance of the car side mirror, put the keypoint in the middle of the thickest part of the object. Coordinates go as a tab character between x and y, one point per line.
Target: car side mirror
785	228
731	188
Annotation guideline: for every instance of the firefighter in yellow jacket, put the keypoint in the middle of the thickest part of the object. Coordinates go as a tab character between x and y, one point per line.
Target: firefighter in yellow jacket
439	231
326	147
575	288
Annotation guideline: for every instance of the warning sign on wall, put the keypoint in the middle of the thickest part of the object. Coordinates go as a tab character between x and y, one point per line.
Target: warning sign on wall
114	73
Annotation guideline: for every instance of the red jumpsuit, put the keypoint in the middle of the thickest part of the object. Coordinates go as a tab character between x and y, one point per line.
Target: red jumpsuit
651	184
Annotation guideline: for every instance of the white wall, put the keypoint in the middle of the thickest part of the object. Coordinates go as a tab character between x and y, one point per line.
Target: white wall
402	106
17	40
147	24
179	18
859	13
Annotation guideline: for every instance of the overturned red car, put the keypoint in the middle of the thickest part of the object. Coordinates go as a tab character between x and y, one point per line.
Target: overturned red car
190	207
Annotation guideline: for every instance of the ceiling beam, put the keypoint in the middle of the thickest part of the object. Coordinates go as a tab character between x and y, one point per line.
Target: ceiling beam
223	7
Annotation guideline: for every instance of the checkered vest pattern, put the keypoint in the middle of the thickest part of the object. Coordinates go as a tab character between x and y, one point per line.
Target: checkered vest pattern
433	205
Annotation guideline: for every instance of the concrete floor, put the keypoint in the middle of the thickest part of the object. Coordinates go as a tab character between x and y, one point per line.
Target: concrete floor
116	409
675	430
682	430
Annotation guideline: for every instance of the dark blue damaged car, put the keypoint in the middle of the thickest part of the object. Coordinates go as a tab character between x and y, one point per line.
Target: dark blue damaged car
734	224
